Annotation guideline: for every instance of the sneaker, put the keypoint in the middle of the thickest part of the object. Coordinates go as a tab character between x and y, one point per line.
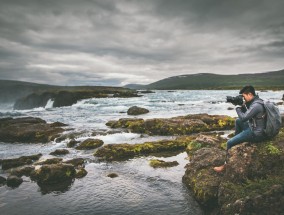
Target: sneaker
219	168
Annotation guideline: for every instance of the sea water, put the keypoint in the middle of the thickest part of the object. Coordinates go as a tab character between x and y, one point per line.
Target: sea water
138	189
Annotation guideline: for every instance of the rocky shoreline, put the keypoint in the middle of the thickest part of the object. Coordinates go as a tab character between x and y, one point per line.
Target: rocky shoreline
253	182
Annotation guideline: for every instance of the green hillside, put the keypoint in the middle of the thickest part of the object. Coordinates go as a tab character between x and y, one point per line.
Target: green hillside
268	80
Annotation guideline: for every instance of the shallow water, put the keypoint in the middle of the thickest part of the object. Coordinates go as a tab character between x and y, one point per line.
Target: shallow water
139	189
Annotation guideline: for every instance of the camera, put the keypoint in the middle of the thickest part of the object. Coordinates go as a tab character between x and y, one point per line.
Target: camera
237	100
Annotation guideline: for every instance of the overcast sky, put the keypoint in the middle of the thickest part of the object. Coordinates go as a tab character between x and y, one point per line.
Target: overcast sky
116	42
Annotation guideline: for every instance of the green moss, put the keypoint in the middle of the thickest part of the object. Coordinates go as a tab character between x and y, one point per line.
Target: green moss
272	149
155	163
251	188
68	173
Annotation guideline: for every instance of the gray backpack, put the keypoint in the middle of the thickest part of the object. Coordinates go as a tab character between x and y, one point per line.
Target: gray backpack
273	119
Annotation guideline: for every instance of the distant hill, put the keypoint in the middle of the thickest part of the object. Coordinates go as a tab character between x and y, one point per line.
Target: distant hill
268	80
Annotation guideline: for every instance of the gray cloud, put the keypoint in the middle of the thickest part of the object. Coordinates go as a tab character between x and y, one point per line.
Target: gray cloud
108	42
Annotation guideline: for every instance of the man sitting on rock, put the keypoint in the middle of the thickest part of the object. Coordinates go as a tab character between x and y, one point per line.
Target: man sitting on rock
250	124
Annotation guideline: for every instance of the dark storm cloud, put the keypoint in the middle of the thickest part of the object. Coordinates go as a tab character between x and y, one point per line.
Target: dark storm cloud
108	42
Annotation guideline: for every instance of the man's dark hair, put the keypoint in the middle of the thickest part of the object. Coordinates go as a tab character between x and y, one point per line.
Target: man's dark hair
247	90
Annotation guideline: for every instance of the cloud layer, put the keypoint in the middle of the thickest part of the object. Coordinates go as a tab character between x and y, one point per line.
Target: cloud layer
109	42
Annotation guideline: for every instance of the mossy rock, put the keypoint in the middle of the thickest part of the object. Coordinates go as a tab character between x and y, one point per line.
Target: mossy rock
112	152
156	163
183	125
90	144
54	174
204	140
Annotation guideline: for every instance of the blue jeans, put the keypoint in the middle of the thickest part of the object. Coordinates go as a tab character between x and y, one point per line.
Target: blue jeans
243	133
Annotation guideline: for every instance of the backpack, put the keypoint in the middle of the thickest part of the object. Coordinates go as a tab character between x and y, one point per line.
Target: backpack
273	119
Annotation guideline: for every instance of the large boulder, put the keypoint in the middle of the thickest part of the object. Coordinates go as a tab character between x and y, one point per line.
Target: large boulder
27	130
201	178
137	110
252	183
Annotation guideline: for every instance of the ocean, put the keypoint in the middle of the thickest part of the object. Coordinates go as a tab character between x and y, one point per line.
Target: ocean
139	189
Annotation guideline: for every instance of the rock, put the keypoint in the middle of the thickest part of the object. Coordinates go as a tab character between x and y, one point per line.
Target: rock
14	181
155	163
137	111
126	94
81	173
112	175
280	103
2	181
54	174
27	130
72	143
90	144
60	152
202	141
76	162
49	161
252	183
201	178
230	108
112	152
15	162
22	171
183	125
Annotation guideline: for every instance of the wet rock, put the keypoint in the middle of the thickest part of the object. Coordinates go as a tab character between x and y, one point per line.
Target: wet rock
112	152
137	111
183	125
16	162
80	173
27	130
155	163
2	181
54	174
252	182
22	171
60	152
90	144
76	162
201	178
72	143
126	94
112	175
230	108
49	161
14	181
280	103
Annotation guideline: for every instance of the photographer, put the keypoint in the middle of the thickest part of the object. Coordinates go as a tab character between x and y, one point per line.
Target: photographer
250	124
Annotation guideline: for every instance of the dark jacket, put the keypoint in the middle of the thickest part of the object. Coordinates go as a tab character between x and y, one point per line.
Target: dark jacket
254	114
